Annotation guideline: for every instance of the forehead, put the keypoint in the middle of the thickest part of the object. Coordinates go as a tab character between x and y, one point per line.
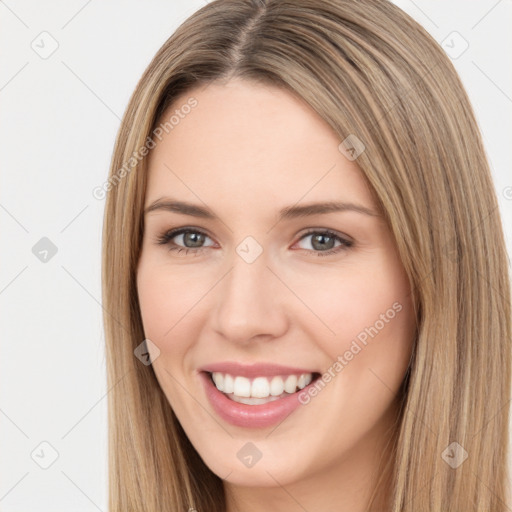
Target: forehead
260	142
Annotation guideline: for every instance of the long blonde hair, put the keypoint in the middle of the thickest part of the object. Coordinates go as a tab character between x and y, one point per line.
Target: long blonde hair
367	69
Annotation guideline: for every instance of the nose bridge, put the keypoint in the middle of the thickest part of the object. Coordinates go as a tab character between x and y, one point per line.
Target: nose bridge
247	304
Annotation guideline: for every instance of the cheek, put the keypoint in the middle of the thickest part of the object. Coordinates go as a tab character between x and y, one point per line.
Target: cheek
166	292
350	303
166	299
370	315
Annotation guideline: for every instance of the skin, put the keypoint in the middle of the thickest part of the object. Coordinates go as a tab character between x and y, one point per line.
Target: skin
246	151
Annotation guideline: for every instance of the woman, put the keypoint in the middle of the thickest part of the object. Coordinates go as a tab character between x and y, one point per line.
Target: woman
245	372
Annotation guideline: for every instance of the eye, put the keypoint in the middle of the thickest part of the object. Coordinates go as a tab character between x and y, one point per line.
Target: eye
324	240
191	238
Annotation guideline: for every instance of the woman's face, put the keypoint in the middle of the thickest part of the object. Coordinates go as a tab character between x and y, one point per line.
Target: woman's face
267	290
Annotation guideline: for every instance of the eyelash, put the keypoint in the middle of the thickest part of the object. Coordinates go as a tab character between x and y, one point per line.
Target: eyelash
166	238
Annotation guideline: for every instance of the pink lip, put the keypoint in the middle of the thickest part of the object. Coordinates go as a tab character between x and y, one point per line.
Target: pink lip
253	370
250	416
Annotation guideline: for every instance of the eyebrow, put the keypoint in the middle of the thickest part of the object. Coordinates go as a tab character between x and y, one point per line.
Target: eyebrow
289	212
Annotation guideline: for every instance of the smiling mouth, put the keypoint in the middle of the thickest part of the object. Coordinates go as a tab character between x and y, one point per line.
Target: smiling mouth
260	390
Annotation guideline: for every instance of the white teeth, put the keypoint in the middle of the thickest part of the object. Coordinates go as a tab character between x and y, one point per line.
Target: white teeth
228	384
258	390
304	380
242	387
218	378
276	386
253	401
290	384
260	387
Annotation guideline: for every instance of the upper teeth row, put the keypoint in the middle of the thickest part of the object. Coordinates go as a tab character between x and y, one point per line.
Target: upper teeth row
260	387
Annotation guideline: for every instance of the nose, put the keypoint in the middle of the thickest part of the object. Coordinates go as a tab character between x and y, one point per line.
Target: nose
250	302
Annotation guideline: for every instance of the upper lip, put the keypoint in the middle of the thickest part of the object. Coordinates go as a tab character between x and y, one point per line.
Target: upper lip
254	370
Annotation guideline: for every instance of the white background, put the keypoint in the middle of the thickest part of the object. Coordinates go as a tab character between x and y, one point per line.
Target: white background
59	118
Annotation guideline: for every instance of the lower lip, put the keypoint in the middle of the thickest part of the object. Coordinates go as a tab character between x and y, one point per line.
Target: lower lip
249	416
